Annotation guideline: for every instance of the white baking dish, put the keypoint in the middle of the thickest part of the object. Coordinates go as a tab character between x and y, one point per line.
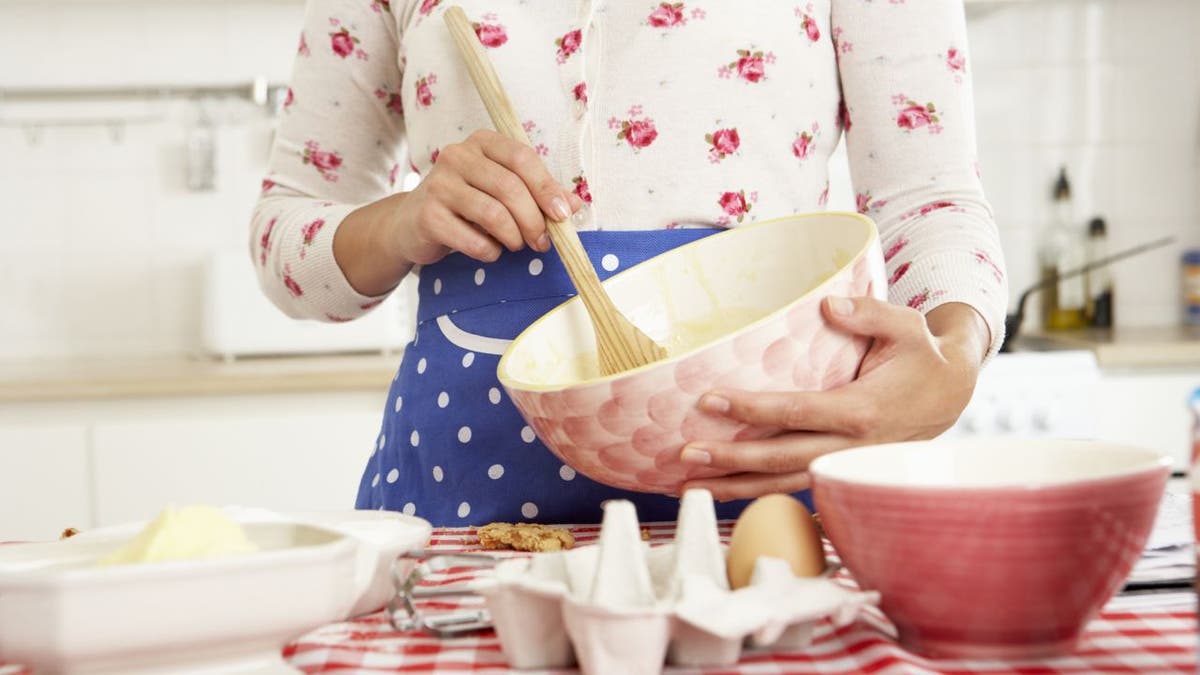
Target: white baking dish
59	613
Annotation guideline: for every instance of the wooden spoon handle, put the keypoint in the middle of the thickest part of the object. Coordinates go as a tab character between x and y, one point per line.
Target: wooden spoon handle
621	345
504	117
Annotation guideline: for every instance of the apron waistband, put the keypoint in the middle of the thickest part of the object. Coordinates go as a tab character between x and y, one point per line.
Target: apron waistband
458	283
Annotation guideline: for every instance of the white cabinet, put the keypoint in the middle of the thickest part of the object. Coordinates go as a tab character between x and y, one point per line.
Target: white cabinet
1148	408
96	463
44	480
298	461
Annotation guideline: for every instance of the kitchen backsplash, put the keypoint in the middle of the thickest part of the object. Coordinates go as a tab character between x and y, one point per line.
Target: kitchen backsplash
103	242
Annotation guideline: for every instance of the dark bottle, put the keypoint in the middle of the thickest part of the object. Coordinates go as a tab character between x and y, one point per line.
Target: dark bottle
1098	282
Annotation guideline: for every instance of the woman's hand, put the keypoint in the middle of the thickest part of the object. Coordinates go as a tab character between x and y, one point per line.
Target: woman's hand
915	380
483	195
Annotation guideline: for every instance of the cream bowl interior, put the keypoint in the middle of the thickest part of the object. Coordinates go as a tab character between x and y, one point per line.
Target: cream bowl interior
985	463
693	295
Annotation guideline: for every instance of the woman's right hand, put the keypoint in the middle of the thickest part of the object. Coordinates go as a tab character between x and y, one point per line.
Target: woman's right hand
483	194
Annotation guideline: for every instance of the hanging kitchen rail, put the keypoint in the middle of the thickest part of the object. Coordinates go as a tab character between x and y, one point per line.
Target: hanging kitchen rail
258	91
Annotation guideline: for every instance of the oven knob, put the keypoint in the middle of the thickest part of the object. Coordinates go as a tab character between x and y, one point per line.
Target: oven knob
1043	419
1006	420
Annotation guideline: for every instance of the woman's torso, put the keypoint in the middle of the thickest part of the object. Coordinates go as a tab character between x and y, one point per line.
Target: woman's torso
657	113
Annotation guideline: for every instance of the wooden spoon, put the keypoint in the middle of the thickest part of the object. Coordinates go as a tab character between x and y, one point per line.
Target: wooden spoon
621	345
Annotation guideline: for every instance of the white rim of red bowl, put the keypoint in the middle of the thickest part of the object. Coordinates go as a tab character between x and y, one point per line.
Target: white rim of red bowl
1150	462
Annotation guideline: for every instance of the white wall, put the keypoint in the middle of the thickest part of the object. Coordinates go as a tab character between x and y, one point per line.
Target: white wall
1109	88
103	243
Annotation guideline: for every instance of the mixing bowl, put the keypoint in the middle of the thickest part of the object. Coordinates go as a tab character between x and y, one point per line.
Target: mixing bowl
990	549
739	309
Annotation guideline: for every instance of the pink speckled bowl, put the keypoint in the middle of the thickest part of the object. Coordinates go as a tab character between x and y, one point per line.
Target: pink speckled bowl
990	549
627	430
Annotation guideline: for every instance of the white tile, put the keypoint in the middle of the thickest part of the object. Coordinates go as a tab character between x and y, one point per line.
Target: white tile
189	41
1068	103
265	34
1159	33
1002	110
1041	33
44	477
1005	170
1157	105
1152	183
1020	257
176	301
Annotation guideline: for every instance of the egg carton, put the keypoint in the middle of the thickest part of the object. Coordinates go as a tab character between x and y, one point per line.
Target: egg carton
621	605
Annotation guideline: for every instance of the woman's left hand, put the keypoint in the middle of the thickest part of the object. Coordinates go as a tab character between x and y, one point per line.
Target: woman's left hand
915	380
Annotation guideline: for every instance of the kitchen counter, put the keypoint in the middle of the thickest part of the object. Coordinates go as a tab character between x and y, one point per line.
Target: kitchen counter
1133	347
50	380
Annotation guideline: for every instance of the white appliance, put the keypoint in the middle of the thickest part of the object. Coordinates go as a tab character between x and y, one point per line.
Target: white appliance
1049	394
238	320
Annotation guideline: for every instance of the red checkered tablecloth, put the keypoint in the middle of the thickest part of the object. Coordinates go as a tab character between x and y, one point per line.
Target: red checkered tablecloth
1142	641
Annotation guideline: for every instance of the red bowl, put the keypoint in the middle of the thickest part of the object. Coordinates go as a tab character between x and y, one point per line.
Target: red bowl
990	549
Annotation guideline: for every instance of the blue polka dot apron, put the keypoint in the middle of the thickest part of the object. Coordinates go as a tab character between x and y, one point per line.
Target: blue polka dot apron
452	448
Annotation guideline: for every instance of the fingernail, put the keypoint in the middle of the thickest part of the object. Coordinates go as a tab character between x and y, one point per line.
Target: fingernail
543	242
693	455
559	209
841	306
714	403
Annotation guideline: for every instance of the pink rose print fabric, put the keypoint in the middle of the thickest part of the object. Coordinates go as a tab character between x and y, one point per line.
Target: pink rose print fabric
735	205
667	15
581	189
840	44
899	272
391	100
985	259
490	33
290	282
865	204
808	23
913	115
264	243
802	147
424	86
327	163
957	63
921	299
724	143
535	136
568	44
310	230
369	99
638	131
895	247
343	43
750	66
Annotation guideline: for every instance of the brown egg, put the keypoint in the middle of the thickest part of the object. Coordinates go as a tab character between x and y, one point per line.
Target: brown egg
778	526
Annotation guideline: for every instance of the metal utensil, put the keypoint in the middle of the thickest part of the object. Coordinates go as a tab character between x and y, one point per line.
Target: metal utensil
407	573
1012	322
